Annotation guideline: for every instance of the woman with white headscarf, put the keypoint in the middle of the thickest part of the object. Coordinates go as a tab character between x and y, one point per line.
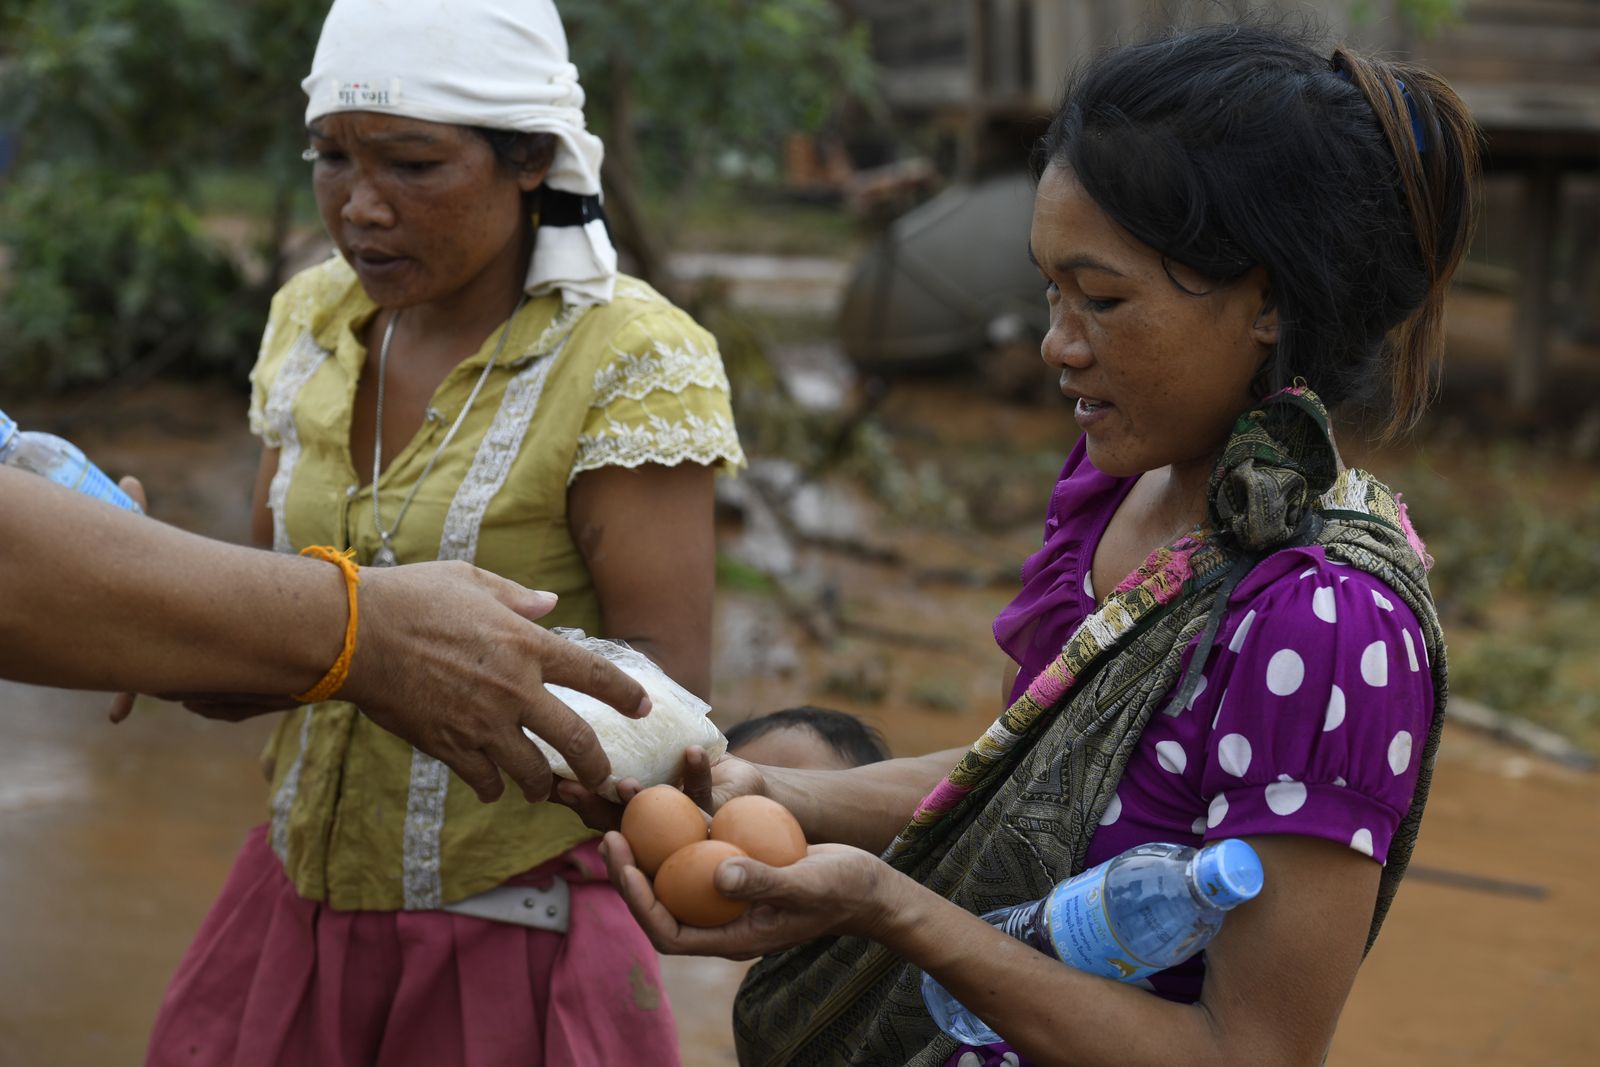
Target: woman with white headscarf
469	378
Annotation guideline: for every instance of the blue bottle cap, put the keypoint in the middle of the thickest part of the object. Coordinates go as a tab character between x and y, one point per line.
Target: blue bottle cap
1228	872
8	427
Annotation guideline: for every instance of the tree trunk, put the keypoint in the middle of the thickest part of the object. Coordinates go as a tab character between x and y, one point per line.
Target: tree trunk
278	235
629	227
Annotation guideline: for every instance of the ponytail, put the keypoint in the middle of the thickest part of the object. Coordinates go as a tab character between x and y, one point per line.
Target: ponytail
1436	149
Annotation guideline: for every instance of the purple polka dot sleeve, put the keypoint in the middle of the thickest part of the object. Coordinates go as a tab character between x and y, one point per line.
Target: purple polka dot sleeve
1320	698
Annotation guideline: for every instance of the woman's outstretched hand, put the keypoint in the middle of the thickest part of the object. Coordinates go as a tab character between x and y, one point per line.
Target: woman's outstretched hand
709	784
449	659
834	890
712	784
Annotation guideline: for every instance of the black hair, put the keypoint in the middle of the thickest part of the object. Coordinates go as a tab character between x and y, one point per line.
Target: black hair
1231	147
517	150
854	740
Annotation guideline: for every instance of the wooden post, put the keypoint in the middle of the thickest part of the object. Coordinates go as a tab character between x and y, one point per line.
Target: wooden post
975	117
1530	340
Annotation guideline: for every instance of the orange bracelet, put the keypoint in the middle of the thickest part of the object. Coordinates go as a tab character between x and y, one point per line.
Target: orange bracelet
335	678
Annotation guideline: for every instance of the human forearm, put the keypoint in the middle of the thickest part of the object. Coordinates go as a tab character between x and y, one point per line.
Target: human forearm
864	806
648	542
686	660
1276	975
102	599
1050	1012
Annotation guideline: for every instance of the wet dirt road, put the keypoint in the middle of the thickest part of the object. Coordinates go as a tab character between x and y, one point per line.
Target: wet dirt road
113	840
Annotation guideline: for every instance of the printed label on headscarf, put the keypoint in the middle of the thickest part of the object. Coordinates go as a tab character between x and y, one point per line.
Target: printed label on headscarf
366	94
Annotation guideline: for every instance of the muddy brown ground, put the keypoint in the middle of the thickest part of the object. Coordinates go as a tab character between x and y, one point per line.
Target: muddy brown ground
113	840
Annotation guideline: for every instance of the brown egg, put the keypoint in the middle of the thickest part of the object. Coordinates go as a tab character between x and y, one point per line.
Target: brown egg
685	885
762	828
658	822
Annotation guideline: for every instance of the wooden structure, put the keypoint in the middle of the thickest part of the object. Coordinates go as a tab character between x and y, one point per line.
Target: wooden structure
1530	72
990	71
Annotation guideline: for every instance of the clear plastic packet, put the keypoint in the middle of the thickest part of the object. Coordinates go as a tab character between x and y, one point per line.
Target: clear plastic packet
648	749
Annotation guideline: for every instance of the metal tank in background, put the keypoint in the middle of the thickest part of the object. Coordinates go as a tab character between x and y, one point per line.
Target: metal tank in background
946	280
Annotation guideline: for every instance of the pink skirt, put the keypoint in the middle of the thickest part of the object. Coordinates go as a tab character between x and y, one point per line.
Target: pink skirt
274	980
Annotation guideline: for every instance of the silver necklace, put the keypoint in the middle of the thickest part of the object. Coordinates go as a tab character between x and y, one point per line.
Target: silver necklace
385	556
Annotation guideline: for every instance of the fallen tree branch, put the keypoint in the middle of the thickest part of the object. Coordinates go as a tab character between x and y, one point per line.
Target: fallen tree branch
1520	732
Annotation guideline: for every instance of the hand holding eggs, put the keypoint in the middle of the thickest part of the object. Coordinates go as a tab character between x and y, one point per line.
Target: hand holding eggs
668	836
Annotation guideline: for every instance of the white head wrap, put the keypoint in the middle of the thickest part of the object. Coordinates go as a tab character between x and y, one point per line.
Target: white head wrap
496	63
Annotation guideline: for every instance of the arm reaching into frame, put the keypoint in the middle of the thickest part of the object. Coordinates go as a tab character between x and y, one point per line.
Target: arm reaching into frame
447	656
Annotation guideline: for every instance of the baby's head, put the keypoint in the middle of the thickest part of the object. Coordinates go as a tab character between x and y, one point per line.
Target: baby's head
808	737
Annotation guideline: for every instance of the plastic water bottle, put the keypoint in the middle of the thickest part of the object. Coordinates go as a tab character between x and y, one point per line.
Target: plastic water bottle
59	460
1141	912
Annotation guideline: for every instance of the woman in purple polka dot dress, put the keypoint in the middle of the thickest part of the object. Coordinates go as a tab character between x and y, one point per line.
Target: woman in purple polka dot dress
1226	633
1303	720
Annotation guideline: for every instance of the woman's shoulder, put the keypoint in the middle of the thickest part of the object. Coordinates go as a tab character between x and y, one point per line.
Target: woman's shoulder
638	310
1302	588
1313	705
315	300
640	343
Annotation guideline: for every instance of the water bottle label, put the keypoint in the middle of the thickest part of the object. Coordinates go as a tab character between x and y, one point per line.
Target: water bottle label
1080	931
91	481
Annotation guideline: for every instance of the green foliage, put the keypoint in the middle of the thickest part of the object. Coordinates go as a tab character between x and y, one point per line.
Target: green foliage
112	269
121	105
1516	534
1427	17
711	75
160	84
1521	544
1431	16
736	574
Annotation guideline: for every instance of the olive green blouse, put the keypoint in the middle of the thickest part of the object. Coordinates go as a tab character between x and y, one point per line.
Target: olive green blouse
360	819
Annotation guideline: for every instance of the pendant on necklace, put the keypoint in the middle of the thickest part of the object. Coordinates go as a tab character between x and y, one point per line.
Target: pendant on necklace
384	557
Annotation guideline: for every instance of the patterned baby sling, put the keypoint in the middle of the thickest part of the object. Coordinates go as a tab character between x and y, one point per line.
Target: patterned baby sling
1017	813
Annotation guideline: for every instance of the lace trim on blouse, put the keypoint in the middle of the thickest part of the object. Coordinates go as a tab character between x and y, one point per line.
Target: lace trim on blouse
695	439
663	368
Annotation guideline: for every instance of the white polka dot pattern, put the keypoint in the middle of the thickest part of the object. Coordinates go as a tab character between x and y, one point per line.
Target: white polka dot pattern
1375	665
1242	632
1233	752
1285	671
1273	743
1334	715
1286	796
1400	752
1323	605
1217	811
1171	756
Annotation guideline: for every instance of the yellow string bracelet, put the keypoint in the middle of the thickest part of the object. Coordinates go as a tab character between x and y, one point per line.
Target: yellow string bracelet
335	678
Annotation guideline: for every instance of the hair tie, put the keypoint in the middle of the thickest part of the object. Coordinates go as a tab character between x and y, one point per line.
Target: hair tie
1411	109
